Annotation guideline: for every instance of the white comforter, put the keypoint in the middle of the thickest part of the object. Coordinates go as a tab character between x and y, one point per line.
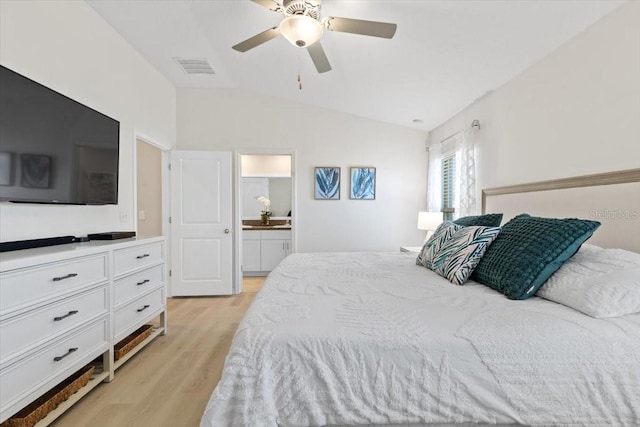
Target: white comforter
362	338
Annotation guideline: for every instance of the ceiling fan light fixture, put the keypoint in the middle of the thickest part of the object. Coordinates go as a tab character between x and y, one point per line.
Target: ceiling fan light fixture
301	30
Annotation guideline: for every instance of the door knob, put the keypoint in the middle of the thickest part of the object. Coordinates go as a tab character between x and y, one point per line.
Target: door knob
226	231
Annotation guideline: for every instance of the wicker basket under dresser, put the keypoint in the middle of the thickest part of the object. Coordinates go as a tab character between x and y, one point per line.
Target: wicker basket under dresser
62	307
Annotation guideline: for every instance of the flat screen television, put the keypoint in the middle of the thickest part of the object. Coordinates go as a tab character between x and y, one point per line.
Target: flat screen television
54	149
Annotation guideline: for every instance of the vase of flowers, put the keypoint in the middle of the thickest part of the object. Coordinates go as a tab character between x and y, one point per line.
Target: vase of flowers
264	216
265	213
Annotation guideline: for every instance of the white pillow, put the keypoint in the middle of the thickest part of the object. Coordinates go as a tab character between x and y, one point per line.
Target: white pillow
598	282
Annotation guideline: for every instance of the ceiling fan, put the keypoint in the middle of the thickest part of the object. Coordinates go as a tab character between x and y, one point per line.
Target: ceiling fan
303	27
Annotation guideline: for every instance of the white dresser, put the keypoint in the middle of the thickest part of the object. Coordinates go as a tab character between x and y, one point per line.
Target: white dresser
63	306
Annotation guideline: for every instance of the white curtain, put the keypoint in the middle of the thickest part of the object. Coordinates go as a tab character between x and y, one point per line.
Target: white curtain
434	183
465	203
465	192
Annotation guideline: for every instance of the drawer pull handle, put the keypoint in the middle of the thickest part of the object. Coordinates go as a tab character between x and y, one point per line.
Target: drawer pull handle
143	282
59	358
59	318
143	308
68	276
142	256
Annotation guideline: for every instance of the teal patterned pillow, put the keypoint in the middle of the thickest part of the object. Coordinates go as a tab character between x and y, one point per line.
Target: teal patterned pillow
528	251
460	255
435	242
487	220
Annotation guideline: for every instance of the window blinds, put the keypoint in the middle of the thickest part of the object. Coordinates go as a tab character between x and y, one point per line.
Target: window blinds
448	185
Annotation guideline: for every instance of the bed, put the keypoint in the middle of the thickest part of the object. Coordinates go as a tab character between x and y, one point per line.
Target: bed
373	339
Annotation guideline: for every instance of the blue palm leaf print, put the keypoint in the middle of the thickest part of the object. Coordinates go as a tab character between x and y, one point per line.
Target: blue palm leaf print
460	255
363	182
327	183
439	237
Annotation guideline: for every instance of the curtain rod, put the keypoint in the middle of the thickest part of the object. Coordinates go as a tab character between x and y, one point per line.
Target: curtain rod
474	124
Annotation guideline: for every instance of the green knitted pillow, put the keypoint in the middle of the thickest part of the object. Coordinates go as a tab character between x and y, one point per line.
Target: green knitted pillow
528	251
488	220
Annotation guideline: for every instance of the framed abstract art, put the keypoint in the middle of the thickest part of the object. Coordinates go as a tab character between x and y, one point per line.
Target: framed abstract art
6	168
327	183
363	183
36	169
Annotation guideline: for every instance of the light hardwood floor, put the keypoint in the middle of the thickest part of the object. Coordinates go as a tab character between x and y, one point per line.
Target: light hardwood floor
170	381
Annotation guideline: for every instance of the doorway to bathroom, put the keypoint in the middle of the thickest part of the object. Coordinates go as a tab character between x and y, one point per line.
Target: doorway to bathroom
266	206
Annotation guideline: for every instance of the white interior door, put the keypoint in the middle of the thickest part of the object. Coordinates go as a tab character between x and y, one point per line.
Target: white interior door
201	217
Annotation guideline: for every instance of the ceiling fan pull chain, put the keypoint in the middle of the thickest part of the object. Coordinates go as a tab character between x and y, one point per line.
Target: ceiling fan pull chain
299	70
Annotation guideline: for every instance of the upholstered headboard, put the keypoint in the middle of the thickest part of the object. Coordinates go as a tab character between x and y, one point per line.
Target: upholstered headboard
612	198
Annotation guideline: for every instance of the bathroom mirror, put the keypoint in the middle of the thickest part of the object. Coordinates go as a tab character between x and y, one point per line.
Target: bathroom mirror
268	176
278	190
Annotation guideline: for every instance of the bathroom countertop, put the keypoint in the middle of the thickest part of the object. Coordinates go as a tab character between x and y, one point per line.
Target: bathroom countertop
275	224
266	227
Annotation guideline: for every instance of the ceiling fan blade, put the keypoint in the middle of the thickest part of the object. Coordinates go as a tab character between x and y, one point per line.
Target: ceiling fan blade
257	40
319	58
269	4
358	26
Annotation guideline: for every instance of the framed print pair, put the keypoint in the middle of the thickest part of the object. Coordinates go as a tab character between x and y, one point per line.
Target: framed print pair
362	185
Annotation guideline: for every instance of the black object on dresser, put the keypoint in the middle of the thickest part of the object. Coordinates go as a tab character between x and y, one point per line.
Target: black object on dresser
112	235
35	243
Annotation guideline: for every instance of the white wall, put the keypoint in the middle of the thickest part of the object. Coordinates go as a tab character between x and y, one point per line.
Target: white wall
231	119
66	46
265	166
576	112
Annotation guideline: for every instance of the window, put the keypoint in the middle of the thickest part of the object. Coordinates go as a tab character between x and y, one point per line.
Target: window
448	186
452	178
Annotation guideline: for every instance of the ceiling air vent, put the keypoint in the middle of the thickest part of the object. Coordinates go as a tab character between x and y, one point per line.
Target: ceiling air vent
195	65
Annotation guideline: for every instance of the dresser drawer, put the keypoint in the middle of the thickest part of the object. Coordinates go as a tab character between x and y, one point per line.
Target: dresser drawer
43	369
131	316
20	332
131	259
132	286
41	282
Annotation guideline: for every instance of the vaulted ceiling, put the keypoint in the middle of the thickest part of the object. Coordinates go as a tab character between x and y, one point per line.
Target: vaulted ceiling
445	54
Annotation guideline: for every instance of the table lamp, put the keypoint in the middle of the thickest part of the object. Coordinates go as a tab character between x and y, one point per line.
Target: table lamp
429	221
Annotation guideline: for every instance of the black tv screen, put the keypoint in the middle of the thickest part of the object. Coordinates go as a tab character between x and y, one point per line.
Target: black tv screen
54	149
